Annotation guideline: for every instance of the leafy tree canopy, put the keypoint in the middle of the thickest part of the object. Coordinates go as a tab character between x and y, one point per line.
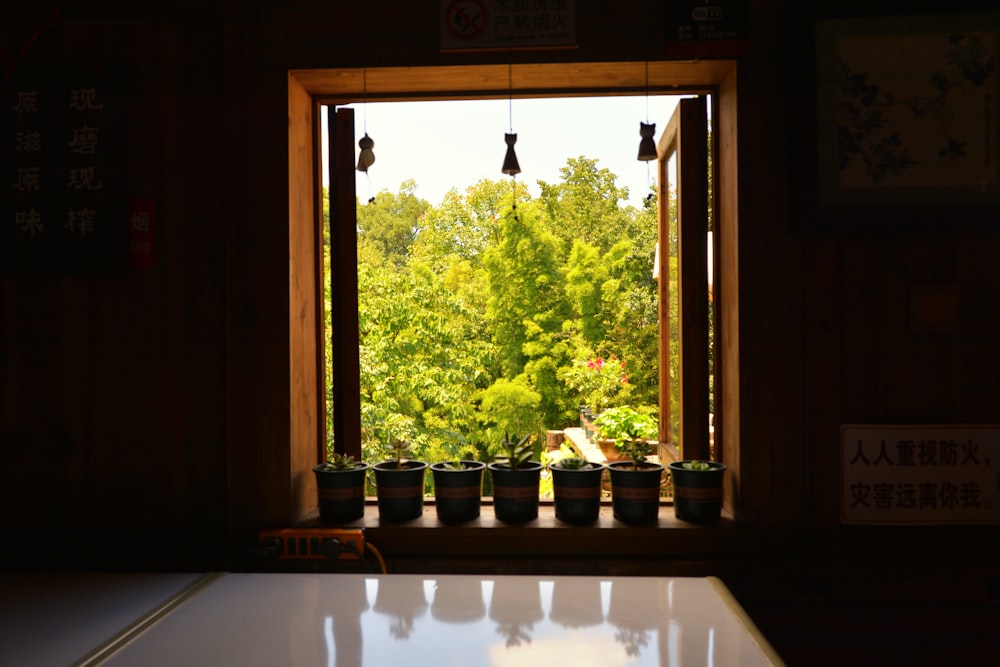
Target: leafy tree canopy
479	317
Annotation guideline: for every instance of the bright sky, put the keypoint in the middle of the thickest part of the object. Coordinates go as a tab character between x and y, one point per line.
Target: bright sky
442	145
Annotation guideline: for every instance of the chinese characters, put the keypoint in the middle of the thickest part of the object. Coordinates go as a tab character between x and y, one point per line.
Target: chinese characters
921	474
56	212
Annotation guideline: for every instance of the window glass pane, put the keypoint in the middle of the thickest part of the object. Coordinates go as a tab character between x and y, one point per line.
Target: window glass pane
477	304
672	251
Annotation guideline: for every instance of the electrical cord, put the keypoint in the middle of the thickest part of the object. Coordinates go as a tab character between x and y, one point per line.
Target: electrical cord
378	556
333	548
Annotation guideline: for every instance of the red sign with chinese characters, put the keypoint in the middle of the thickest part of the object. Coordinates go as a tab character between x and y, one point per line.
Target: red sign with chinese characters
142	235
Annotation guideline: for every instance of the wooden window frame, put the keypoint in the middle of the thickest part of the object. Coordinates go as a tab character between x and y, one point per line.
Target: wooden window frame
685	139
310	89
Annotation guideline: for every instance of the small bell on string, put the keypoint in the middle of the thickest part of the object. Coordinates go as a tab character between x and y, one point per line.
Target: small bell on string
367	156
647	147
510	165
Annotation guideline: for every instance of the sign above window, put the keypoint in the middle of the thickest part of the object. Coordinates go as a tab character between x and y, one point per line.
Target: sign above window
699	28
484	24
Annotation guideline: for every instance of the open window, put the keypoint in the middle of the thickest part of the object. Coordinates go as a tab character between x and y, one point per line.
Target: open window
683	166
682	279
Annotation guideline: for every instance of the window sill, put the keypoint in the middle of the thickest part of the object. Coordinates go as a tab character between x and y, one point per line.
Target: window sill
426	543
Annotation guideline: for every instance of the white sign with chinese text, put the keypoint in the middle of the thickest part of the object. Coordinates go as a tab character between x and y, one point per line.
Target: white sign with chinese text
920	474
506	24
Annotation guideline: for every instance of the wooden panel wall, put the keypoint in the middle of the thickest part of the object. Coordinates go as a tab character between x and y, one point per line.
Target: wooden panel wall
112	423
146	418
171	388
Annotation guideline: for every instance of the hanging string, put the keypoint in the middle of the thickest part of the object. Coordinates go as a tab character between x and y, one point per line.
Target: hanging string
647	91
510	121
510	95
649	178
364	103
364	125
367	155
647	145
510	164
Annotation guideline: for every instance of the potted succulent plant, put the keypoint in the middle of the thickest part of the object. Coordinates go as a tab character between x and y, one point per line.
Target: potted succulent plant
516	480
635	482
576	489
340	487
399	485
697	490
458	489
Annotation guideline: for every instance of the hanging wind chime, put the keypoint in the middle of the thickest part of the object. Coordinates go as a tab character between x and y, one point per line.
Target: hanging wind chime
510	164
647	147
366	157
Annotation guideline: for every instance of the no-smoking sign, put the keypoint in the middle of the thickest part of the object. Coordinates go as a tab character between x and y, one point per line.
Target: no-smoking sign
484	24
466	19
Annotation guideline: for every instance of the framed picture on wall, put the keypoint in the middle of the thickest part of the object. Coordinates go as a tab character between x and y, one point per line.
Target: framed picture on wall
907	110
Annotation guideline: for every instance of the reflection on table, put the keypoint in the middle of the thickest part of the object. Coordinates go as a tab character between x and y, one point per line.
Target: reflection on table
347	620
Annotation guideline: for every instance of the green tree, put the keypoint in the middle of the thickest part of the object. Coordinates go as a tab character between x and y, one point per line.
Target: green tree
464	225
585	274
546	353
510	406
524	285
584	205
630	324
473	314
388	226
421	361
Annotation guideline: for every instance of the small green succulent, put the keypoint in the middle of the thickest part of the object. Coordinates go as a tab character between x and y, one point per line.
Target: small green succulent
573	463
399	449
339	462
634	447
518	451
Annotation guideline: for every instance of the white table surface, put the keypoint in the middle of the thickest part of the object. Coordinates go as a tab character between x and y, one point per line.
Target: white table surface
357	620
54	619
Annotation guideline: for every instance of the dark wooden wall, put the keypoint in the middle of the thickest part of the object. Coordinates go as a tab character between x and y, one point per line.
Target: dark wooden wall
114	397
145	417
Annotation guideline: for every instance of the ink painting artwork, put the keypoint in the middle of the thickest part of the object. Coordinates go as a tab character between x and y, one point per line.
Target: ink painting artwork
907	110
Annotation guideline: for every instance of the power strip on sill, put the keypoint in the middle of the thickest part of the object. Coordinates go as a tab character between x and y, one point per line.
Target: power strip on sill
315	543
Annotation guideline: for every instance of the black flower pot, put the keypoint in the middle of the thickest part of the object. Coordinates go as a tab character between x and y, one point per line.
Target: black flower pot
458	493
515	492
400	491
577	493
341	493
697	493
635	494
